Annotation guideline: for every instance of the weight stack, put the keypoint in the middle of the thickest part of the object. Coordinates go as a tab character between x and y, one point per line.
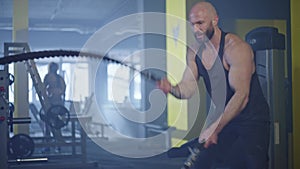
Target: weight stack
269	49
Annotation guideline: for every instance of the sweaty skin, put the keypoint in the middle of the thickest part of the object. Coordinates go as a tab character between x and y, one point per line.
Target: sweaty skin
238	59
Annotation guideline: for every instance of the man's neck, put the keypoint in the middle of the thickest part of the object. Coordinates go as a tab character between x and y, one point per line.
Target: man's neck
215	40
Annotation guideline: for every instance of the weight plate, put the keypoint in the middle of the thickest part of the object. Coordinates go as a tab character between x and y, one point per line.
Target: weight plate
58	116
21	146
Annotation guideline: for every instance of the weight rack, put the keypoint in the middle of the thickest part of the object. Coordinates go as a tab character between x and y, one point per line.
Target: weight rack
14	48
4	83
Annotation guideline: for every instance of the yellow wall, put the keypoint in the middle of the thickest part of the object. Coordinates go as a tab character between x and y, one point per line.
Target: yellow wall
295	37
20	34
176	51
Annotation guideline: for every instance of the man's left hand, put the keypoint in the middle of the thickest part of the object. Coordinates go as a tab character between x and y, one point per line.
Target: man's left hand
209	136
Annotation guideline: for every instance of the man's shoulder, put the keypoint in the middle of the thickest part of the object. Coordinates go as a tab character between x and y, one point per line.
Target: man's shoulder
232	41
231	37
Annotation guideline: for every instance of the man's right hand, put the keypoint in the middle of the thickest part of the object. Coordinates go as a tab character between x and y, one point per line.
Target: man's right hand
164	85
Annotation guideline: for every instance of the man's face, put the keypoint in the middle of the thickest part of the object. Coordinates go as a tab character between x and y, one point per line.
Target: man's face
202	26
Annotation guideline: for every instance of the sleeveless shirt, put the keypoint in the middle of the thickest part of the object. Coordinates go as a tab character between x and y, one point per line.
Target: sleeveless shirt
256	110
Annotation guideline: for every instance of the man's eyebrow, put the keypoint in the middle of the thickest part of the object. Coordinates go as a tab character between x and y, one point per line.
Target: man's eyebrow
197	22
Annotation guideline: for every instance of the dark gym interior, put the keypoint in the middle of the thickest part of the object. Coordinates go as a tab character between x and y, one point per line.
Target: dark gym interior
92	132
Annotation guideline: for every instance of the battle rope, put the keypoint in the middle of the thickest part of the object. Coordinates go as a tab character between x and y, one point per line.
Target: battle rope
67	53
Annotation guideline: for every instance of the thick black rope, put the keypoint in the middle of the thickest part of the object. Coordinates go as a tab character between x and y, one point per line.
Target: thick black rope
66	53
47	54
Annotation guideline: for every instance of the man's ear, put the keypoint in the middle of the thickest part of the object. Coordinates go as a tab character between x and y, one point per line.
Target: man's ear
215	21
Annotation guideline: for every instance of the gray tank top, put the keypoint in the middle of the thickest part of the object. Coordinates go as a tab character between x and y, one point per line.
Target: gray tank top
256	110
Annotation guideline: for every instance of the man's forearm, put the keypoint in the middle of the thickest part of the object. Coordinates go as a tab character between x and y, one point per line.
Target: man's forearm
236	104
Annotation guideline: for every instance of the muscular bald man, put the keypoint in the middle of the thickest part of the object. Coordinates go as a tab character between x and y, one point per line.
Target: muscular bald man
239	139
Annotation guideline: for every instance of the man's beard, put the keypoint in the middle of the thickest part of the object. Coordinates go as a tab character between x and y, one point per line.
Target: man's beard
208	35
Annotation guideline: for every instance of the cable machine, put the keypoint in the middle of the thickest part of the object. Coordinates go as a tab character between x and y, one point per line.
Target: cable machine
269	47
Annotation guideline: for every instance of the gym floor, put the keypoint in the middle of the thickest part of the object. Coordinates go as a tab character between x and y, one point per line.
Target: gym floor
107	160
99	158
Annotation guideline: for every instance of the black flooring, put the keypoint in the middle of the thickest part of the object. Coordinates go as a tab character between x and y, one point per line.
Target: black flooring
107	160
98	158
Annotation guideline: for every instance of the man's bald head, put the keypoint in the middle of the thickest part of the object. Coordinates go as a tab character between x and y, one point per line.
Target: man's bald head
204	20
204	7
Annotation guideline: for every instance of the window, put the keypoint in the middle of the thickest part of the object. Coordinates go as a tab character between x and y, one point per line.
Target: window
117	82
122	84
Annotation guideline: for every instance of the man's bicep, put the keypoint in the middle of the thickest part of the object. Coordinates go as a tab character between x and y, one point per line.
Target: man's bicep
239	79
241	69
